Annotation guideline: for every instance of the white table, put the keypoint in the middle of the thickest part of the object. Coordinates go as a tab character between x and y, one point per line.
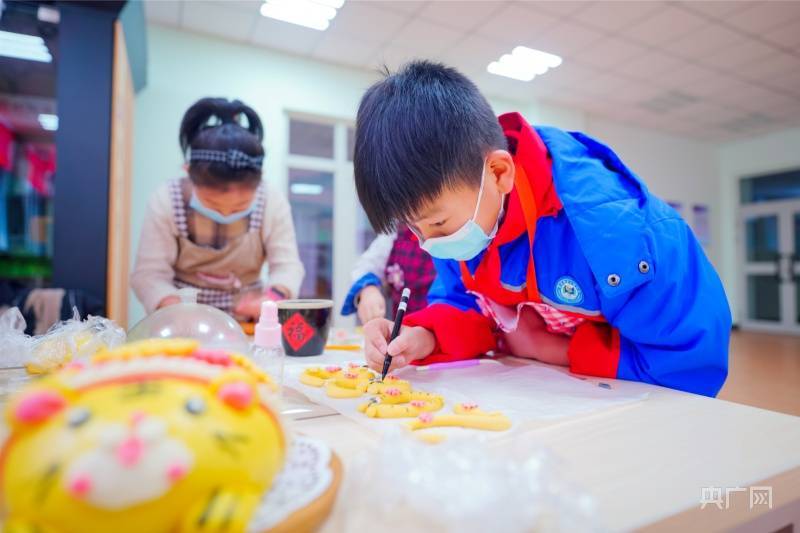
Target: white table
645	463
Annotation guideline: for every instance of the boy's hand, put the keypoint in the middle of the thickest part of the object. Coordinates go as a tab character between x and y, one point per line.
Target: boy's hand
532	340
411	344
371	304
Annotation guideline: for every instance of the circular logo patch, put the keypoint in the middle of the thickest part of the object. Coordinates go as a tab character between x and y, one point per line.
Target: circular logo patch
568	291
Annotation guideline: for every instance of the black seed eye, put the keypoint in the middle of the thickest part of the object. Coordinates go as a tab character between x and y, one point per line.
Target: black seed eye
195	406
78	417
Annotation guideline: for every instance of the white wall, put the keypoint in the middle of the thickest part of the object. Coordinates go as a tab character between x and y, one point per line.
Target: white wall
768	153
185	66
676	169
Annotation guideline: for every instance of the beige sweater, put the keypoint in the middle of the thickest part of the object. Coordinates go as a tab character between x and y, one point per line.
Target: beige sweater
153	274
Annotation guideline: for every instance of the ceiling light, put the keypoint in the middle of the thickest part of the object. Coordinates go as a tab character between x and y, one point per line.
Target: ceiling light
48	122
48	14
21	46
314	14
310	189
524	63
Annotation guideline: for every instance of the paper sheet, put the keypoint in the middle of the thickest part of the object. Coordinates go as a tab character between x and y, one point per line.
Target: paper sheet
526	393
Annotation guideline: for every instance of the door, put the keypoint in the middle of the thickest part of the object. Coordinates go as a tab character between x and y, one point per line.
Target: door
771	266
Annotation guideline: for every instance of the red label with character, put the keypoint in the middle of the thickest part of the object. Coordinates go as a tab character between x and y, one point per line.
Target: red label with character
297	331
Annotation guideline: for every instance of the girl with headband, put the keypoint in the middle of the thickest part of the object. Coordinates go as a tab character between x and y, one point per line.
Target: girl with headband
214	229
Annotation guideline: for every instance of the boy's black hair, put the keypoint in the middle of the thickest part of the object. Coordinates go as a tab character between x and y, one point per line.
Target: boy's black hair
221	124
418	131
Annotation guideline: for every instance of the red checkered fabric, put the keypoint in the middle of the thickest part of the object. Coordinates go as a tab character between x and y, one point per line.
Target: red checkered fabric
557	321
409	266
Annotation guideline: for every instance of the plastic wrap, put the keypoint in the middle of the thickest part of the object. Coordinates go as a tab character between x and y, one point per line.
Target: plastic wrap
73	340
188	319
16	346
70	340
529	394
460	486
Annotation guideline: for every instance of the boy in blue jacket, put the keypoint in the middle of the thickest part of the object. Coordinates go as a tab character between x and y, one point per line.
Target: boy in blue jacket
545	244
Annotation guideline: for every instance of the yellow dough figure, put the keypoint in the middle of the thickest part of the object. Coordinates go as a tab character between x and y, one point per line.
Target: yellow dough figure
486	422
157	436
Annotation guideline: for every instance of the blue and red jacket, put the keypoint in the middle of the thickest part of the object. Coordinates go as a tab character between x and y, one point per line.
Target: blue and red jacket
604	249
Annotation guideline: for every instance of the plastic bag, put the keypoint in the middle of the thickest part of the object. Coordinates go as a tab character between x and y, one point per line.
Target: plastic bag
73	340
15	346
460	486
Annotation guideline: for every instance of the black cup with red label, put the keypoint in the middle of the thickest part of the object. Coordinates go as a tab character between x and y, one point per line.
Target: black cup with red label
304	326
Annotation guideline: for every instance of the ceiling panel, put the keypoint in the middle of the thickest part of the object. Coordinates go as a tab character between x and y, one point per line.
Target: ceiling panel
286	37
368	22
715	9
613	16
668	23
426	38
759	18
566	38
517	24
703	41
710	69
341	49
460	15
409	7
610	51
216	19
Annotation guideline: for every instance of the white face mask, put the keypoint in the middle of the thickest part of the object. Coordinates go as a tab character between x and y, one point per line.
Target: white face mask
466	242
216	216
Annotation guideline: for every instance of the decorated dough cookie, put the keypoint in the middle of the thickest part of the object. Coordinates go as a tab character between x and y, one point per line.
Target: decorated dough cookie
416	402
316	376
473	409
494	422
334	389
391	382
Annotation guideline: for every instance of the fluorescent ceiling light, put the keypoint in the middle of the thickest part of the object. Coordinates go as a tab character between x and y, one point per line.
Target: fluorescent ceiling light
48	14
48	122
524	63
311	189
314	14
21	46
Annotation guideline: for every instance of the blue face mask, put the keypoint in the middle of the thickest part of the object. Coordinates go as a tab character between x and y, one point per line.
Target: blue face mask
468	241
216	216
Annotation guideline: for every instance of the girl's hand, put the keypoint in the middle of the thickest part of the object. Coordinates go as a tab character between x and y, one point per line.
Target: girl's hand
411	344
169	300
371	304
249	305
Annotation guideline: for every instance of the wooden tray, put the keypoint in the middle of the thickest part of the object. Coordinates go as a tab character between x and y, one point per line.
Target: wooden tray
311	517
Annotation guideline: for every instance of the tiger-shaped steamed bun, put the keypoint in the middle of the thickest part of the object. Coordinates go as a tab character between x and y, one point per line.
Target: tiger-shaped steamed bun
155	436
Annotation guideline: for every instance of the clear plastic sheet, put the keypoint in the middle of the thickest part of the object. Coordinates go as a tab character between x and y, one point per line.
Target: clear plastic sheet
70	340
529	394
459	486
189	319
15	346
73	340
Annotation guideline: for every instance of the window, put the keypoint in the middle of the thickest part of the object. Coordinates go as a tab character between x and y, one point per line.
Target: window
780	186
325	206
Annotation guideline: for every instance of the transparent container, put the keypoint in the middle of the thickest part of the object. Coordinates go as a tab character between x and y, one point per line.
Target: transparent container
267	351
189	319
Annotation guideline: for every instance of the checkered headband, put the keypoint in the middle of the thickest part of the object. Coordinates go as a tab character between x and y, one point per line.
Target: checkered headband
232	158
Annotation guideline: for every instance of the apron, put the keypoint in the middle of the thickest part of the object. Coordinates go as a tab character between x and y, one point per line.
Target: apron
222	275
504	306
409	266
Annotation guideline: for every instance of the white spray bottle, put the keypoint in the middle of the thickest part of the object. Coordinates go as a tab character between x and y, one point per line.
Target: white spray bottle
267	348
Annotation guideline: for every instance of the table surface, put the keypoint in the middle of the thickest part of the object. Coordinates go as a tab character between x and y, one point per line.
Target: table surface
643	463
